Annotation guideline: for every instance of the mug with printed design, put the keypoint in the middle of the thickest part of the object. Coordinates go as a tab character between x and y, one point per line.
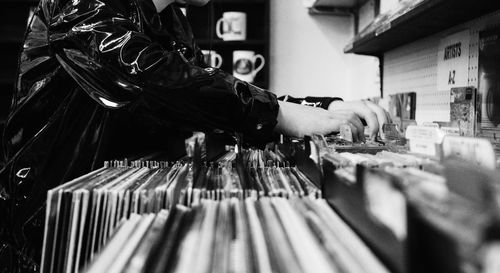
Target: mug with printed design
244	64
212	58
232	26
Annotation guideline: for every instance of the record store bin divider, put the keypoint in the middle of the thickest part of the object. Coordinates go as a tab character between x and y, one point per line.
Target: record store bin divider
412	238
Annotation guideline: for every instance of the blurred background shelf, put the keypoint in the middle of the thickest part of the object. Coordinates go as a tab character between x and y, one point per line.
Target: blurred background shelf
203	21
427	18
333	7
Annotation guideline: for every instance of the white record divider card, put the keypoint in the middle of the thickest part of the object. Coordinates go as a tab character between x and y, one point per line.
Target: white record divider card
453	61
478	151
424	140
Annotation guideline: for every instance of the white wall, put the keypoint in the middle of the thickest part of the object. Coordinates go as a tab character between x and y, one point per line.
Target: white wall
307	56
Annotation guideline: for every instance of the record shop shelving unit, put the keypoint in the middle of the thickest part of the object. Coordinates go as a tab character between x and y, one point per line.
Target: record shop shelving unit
407	47
427	18
13	22
203	20
334	7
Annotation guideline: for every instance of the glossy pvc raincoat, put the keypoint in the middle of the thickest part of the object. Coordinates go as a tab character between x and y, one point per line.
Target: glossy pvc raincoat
100	79
104	79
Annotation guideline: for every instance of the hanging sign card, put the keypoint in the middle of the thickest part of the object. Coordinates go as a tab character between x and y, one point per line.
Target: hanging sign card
453	61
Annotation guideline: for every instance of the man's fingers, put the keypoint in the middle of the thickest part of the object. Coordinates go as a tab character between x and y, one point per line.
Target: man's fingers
370	117
374	115
380	113
389	119
354	120
355	132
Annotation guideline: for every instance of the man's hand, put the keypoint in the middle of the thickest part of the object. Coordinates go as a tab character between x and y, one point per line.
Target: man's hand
374	115
299	120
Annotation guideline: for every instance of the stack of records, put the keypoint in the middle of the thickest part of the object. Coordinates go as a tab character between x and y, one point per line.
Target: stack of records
266	235
82	214
453	206
381	159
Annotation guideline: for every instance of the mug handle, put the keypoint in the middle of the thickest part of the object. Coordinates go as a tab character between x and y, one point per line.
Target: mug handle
218	60
262	63
218	27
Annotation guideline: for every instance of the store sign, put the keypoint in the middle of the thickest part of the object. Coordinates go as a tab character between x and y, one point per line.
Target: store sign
453	61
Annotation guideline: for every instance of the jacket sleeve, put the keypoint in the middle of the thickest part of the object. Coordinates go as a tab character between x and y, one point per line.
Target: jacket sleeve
322	102
118	65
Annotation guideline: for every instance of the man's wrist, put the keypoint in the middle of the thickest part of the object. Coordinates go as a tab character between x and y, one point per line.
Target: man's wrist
334	104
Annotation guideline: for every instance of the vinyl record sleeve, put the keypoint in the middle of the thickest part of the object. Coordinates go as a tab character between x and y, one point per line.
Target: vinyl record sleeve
241	260
106	207
137	263
310	254
260	254
163	258
124	253
63	231
84	226
463	110
280	251
223	231
105	259
73	231
51	230
338	255
95	196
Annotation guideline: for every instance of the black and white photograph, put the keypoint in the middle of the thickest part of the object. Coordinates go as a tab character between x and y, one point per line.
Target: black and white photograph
241	136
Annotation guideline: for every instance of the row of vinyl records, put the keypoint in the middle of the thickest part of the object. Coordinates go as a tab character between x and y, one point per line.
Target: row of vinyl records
188	216
271	234
82	214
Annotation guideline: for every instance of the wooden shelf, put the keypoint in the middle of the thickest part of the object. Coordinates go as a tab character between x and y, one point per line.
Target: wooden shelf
333	7
427	18
334	3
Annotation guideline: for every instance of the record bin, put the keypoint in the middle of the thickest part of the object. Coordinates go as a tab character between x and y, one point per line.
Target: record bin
447	237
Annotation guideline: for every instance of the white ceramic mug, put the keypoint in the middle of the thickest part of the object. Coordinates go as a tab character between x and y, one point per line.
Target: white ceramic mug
232	26
244	62
212	58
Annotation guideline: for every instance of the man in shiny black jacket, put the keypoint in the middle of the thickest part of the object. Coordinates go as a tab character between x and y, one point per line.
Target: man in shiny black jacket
103	79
